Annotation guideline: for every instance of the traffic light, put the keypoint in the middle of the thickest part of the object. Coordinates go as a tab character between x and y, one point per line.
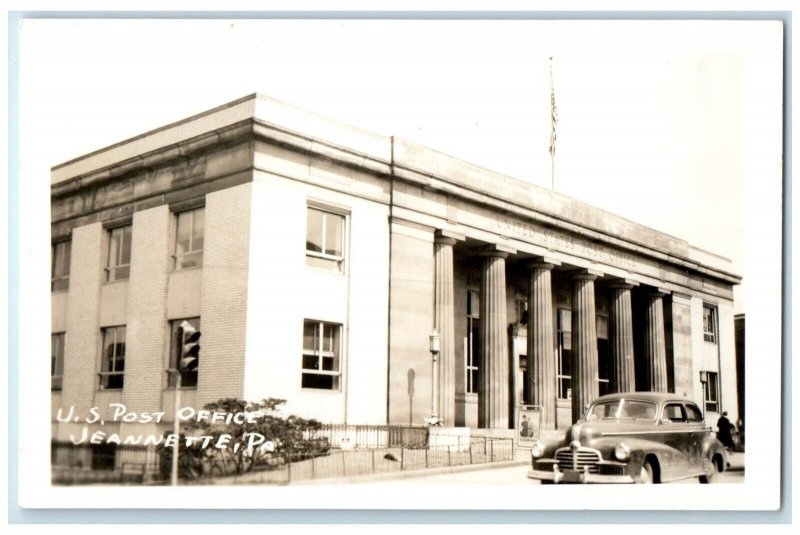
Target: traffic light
190	347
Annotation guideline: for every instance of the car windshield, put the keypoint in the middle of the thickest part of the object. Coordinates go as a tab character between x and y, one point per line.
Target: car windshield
622	409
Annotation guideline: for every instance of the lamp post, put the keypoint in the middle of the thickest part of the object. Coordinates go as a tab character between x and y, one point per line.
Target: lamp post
435	342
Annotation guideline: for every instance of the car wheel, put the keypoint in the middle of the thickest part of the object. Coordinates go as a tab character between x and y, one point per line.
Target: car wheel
646	474
712	472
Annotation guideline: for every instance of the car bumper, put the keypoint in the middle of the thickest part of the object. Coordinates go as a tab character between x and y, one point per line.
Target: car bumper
576	476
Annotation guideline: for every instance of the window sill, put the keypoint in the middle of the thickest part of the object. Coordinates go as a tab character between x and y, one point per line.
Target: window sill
325	270
116	281
177	270
320	390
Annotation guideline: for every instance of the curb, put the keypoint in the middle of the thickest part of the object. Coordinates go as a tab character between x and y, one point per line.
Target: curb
406	474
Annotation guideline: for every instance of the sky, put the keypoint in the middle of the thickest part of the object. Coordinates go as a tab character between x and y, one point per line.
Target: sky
664	123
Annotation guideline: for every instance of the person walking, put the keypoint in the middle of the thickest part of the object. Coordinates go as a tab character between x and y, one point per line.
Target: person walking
724	431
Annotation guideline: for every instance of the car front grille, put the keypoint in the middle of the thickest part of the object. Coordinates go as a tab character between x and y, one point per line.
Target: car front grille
578	459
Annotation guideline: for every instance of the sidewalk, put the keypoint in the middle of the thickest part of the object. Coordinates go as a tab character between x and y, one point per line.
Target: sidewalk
735	461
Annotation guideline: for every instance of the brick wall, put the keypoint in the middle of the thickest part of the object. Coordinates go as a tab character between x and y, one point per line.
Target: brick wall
147	333
224	294
83	334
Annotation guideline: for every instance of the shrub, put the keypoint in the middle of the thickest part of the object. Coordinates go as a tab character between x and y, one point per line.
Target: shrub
292	438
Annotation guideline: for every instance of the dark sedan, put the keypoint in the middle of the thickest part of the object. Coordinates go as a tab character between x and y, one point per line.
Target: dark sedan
634	437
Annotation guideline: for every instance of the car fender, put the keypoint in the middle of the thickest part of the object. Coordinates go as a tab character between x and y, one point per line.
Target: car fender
640	449
711	447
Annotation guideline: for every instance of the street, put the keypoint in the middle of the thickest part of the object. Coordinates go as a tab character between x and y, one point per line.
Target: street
516	475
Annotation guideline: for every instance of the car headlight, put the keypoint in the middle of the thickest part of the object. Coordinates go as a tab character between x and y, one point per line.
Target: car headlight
622	451
537	450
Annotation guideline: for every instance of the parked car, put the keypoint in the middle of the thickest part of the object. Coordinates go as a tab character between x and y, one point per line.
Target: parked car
633	437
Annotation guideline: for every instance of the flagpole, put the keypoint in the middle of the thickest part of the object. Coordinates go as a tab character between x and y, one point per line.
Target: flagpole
553	123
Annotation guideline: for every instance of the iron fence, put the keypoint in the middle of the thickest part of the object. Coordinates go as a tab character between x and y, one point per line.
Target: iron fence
348	463
369	450
347	436
108	463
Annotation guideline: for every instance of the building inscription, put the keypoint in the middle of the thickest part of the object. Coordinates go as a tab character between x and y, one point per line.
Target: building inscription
557	241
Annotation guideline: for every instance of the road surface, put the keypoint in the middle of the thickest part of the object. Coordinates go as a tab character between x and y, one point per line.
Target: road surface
513	475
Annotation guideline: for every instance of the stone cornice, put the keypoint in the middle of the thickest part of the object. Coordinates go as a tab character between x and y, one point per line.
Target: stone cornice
431	182
392	159
161	156
271	133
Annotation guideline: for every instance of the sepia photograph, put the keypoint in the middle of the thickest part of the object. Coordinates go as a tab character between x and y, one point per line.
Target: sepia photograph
335	258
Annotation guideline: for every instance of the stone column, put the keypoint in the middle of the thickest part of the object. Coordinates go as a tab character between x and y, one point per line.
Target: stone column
655	349
584	343
623	378
541	373
444	311
493	373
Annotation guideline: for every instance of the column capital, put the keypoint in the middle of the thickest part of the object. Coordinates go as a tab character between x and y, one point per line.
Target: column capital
587	274
447	237
658	292
623	284
497	250
544	262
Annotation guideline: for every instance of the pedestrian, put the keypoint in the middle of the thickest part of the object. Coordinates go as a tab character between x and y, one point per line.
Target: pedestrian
724	429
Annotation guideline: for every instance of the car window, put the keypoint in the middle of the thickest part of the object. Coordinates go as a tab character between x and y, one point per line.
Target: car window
673	413
622	409
693	413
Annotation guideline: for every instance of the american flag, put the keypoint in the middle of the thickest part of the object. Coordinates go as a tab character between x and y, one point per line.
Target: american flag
553	113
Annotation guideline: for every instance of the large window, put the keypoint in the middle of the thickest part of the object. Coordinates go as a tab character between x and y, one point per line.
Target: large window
118	266
112	367
324	239
473	360
710	324
564	375
711	391
189	239
188	376
321	355
56	360
59	271
603	355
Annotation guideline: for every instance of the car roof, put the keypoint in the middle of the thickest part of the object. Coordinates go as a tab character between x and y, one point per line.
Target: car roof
656	397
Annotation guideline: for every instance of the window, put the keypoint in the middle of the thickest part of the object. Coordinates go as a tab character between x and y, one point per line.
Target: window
324	239
564	353
112	369
710	324
189	239
56	360
603	355
673	413
188	377
59	277
321	349
711	391
473	359
693	413
119	253
521	306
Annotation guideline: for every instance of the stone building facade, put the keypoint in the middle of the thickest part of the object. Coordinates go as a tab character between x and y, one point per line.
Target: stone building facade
316	259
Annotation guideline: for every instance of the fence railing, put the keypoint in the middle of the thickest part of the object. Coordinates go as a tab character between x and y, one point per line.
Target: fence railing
357	450
348	463
371	436
75	464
